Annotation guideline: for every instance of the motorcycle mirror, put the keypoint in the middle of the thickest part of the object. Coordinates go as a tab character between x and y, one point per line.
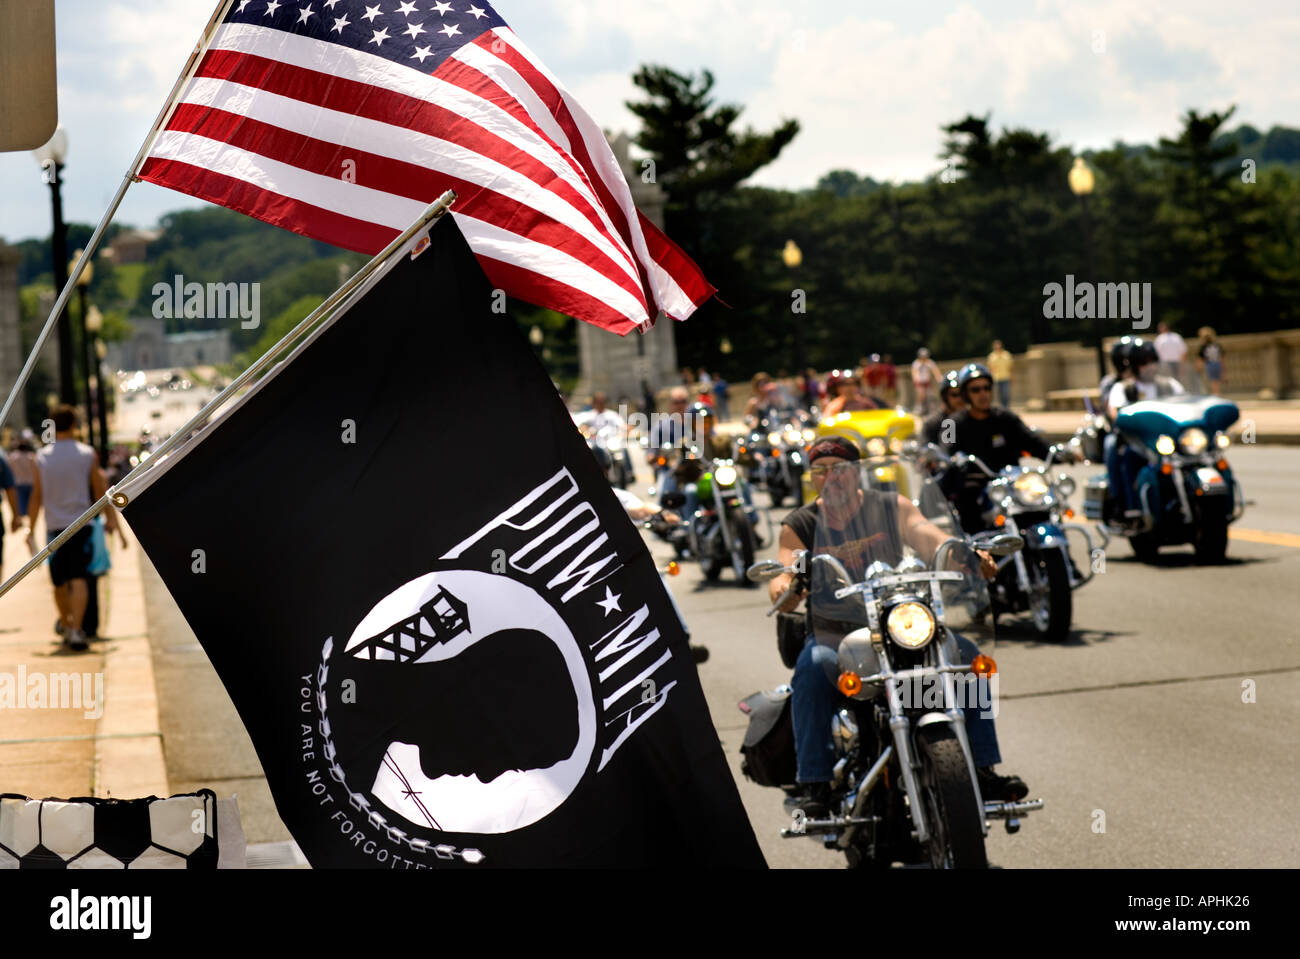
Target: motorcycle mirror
765	569
1004	544
674	500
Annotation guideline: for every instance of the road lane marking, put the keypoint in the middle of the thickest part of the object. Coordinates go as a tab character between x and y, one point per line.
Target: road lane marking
1134	684
1263	536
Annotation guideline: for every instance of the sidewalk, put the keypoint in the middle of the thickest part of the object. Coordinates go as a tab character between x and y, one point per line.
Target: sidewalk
52	742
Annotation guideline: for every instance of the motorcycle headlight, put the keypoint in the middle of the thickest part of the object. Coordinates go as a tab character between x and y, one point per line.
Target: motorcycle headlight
725	475
876	446
809	435
1030	488
1165	446
911	625
1193	441
1065	484
774	439
1222	441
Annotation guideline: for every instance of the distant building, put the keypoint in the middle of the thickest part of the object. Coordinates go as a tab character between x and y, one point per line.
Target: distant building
152	348
130	246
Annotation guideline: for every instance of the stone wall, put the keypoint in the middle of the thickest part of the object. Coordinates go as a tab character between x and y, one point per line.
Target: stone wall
1257	366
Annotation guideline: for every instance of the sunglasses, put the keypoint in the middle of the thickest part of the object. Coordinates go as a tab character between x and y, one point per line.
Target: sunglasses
979	389
822	471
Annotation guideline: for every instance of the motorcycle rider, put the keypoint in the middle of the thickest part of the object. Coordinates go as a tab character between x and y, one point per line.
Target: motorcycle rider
601	417
883	522
708	445
951	403
1141	381
998	437
669	430
848	399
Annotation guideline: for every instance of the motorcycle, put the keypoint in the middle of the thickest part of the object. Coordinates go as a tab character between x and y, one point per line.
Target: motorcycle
1187	490
1031	502
775	452
904	786
723	531
609	446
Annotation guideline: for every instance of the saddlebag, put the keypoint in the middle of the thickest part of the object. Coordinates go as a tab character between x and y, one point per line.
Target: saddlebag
767	754
791	634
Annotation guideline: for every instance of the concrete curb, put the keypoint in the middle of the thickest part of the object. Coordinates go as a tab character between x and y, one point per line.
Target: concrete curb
129	760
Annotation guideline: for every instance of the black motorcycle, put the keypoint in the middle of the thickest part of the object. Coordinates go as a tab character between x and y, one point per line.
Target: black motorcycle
904	786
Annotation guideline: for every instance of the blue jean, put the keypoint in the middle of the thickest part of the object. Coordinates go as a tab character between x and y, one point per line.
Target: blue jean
1123	464
1004	393
815	701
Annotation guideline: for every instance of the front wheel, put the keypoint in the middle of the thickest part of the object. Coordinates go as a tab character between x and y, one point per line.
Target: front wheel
1211	536
951	803
1051	601
742	548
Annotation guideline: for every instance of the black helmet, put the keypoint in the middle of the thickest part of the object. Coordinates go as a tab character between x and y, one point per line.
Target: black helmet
972	371
1141	353
1119	353
950	383
700	411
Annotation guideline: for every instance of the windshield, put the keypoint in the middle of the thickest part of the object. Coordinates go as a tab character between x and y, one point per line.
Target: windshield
859	533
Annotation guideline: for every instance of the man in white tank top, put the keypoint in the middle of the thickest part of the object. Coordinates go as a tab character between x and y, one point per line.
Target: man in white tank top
67	477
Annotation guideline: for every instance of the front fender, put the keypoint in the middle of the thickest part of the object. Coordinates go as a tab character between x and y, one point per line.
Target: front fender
1044	536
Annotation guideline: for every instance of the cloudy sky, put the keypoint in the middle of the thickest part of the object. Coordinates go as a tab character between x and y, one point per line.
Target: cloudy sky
871	82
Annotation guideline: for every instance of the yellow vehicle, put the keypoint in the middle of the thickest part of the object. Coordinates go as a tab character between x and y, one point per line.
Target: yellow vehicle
880	435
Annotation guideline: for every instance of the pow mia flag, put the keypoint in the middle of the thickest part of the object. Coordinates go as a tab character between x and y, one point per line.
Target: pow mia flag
447	641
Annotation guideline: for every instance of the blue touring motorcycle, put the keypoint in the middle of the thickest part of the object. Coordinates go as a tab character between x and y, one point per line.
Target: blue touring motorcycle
1186	490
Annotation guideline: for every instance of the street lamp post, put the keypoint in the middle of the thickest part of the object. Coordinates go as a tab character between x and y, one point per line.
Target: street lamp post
51	157
792	256
1081	185
83	285
95	323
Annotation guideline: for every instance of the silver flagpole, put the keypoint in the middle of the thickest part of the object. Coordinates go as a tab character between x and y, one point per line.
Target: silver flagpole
164	115
118	497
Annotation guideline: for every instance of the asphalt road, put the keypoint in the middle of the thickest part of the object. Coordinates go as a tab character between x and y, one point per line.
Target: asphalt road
1136	732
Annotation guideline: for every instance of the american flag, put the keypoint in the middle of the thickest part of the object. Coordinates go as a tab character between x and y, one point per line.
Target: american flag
343	120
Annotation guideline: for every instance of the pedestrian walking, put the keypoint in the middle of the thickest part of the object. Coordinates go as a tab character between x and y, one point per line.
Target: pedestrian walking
22	460
1172	350
720	387
890	387
7	484
925	374
1000	363
67	476
1210	359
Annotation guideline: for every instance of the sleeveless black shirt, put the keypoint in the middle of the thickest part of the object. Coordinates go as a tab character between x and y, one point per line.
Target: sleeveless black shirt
875	526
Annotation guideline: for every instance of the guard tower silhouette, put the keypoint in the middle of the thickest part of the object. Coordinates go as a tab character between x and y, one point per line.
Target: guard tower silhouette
440	620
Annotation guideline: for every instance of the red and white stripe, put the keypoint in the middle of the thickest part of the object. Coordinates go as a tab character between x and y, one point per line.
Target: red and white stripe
350	148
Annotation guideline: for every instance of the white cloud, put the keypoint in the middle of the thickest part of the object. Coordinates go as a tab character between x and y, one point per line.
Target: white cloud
871	84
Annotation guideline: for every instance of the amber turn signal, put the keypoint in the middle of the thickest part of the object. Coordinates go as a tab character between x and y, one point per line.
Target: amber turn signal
1166	468
1000	521
983	665
850	684
673	568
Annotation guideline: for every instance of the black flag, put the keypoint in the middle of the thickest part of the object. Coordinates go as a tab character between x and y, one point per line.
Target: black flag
448	642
